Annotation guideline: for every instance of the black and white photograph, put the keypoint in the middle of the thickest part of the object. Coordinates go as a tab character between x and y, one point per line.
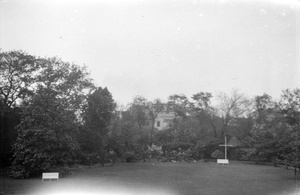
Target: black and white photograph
164	97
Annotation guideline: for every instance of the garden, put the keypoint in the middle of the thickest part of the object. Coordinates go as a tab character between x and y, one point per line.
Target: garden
55	119
156	177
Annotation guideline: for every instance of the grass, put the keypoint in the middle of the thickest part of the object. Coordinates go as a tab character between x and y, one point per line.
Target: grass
164	178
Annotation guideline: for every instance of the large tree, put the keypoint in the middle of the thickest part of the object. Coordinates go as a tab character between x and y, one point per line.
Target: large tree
50	115
45	136
70	81
231	105
289	106
179	105
97	117
203	111
275	132
152	110
138	111
17	76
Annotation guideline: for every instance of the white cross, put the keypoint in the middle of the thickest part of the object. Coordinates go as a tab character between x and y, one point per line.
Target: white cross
226	147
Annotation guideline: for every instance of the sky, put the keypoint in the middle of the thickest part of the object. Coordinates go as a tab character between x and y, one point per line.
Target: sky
157	48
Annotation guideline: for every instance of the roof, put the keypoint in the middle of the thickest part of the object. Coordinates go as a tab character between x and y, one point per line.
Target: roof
235	142
166	116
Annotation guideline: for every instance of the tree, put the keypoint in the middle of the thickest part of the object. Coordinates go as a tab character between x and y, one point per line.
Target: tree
127	132
70	81
202	110
274	134
8	134
97	117
51	115
138	111
289	106
179	104
232	105
45	136
153	109
264	109
17	75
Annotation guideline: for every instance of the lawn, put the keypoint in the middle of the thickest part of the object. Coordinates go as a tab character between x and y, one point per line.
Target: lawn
163	178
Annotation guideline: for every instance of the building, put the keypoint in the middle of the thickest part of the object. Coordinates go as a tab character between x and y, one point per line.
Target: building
164	120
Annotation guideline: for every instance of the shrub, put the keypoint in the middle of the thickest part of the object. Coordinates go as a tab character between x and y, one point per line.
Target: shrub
176	146
206	147
129	156
154	151
248	153
217	154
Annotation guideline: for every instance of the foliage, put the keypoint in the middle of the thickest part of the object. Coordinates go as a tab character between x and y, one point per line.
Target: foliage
179	104
50	116
163	136
290	106
124	135
203	111
275	131
59	114
97	117
138	111
152	110
218	154
154	148
45	136
9	121
176	146
17	76
71	82
231	105
241	127
129	156
206	147
17	70
247	154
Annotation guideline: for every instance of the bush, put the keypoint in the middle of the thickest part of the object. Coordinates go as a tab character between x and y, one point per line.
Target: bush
154	151
129	157
248	153
217	154
175	146
206	147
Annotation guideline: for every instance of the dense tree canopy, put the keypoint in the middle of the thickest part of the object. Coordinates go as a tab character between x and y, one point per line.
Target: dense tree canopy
98	113
17	76
48	94
45	135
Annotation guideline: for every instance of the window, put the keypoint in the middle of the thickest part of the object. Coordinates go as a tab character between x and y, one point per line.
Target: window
158	123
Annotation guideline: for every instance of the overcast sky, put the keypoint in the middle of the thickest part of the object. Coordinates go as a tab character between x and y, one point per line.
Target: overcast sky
156	48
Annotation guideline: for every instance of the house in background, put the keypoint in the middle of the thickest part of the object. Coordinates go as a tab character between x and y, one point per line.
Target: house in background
164	120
